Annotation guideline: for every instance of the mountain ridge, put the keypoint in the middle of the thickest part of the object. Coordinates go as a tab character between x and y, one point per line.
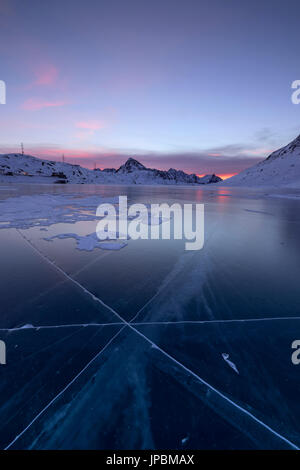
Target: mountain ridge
19	167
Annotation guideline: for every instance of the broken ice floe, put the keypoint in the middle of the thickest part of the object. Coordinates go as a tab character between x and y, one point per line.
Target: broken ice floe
47	209
42	210
230	363
90	242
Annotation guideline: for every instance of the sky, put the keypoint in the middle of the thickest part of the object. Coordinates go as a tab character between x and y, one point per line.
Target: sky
198	85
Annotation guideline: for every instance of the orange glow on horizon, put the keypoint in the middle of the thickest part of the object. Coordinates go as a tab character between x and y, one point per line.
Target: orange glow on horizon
227	175
224	176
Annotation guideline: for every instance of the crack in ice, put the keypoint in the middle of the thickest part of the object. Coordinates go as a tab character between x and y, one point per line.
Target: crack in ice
154	345
145	323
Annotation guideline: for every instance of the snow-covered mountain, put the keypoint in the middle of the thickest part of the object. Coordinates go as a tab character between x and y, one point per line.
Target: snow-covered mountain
281	168
24	168
139	174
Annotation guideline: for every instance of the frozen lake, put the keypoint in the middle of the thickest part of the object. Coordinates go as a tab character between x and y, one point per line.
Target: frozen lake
149	346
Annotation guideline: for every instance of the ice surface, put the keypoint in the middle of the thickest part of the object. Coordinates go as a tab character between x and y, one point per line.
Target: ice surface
150	383
267	380
154	319
40	363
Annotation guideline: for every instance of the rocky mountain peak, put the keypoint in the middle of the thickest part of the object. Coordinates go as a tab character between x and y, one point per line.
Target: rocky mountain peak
130	165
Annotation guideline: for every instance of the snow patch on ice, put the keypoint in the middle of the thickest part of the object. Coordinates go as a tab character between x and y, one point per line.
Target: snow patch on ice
90	242
230	363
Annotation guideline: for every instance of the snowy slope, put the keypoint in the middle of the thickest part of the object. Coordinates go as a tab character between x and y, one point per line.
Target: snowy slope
15	166
25	168
281	168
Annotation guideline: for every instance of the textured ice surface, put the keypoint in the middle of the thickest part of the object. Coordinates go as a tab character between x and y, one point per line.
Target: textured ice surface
123	350
125	386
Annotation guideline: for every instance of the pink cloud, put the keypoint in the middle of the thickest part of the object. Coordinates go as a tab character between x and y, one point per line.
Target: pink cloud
88	128
46	75
258	152
33	104
91	125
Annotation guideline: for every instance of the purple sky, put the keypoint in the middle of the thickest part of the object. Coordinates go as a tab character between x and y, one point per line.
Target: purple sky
199	85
